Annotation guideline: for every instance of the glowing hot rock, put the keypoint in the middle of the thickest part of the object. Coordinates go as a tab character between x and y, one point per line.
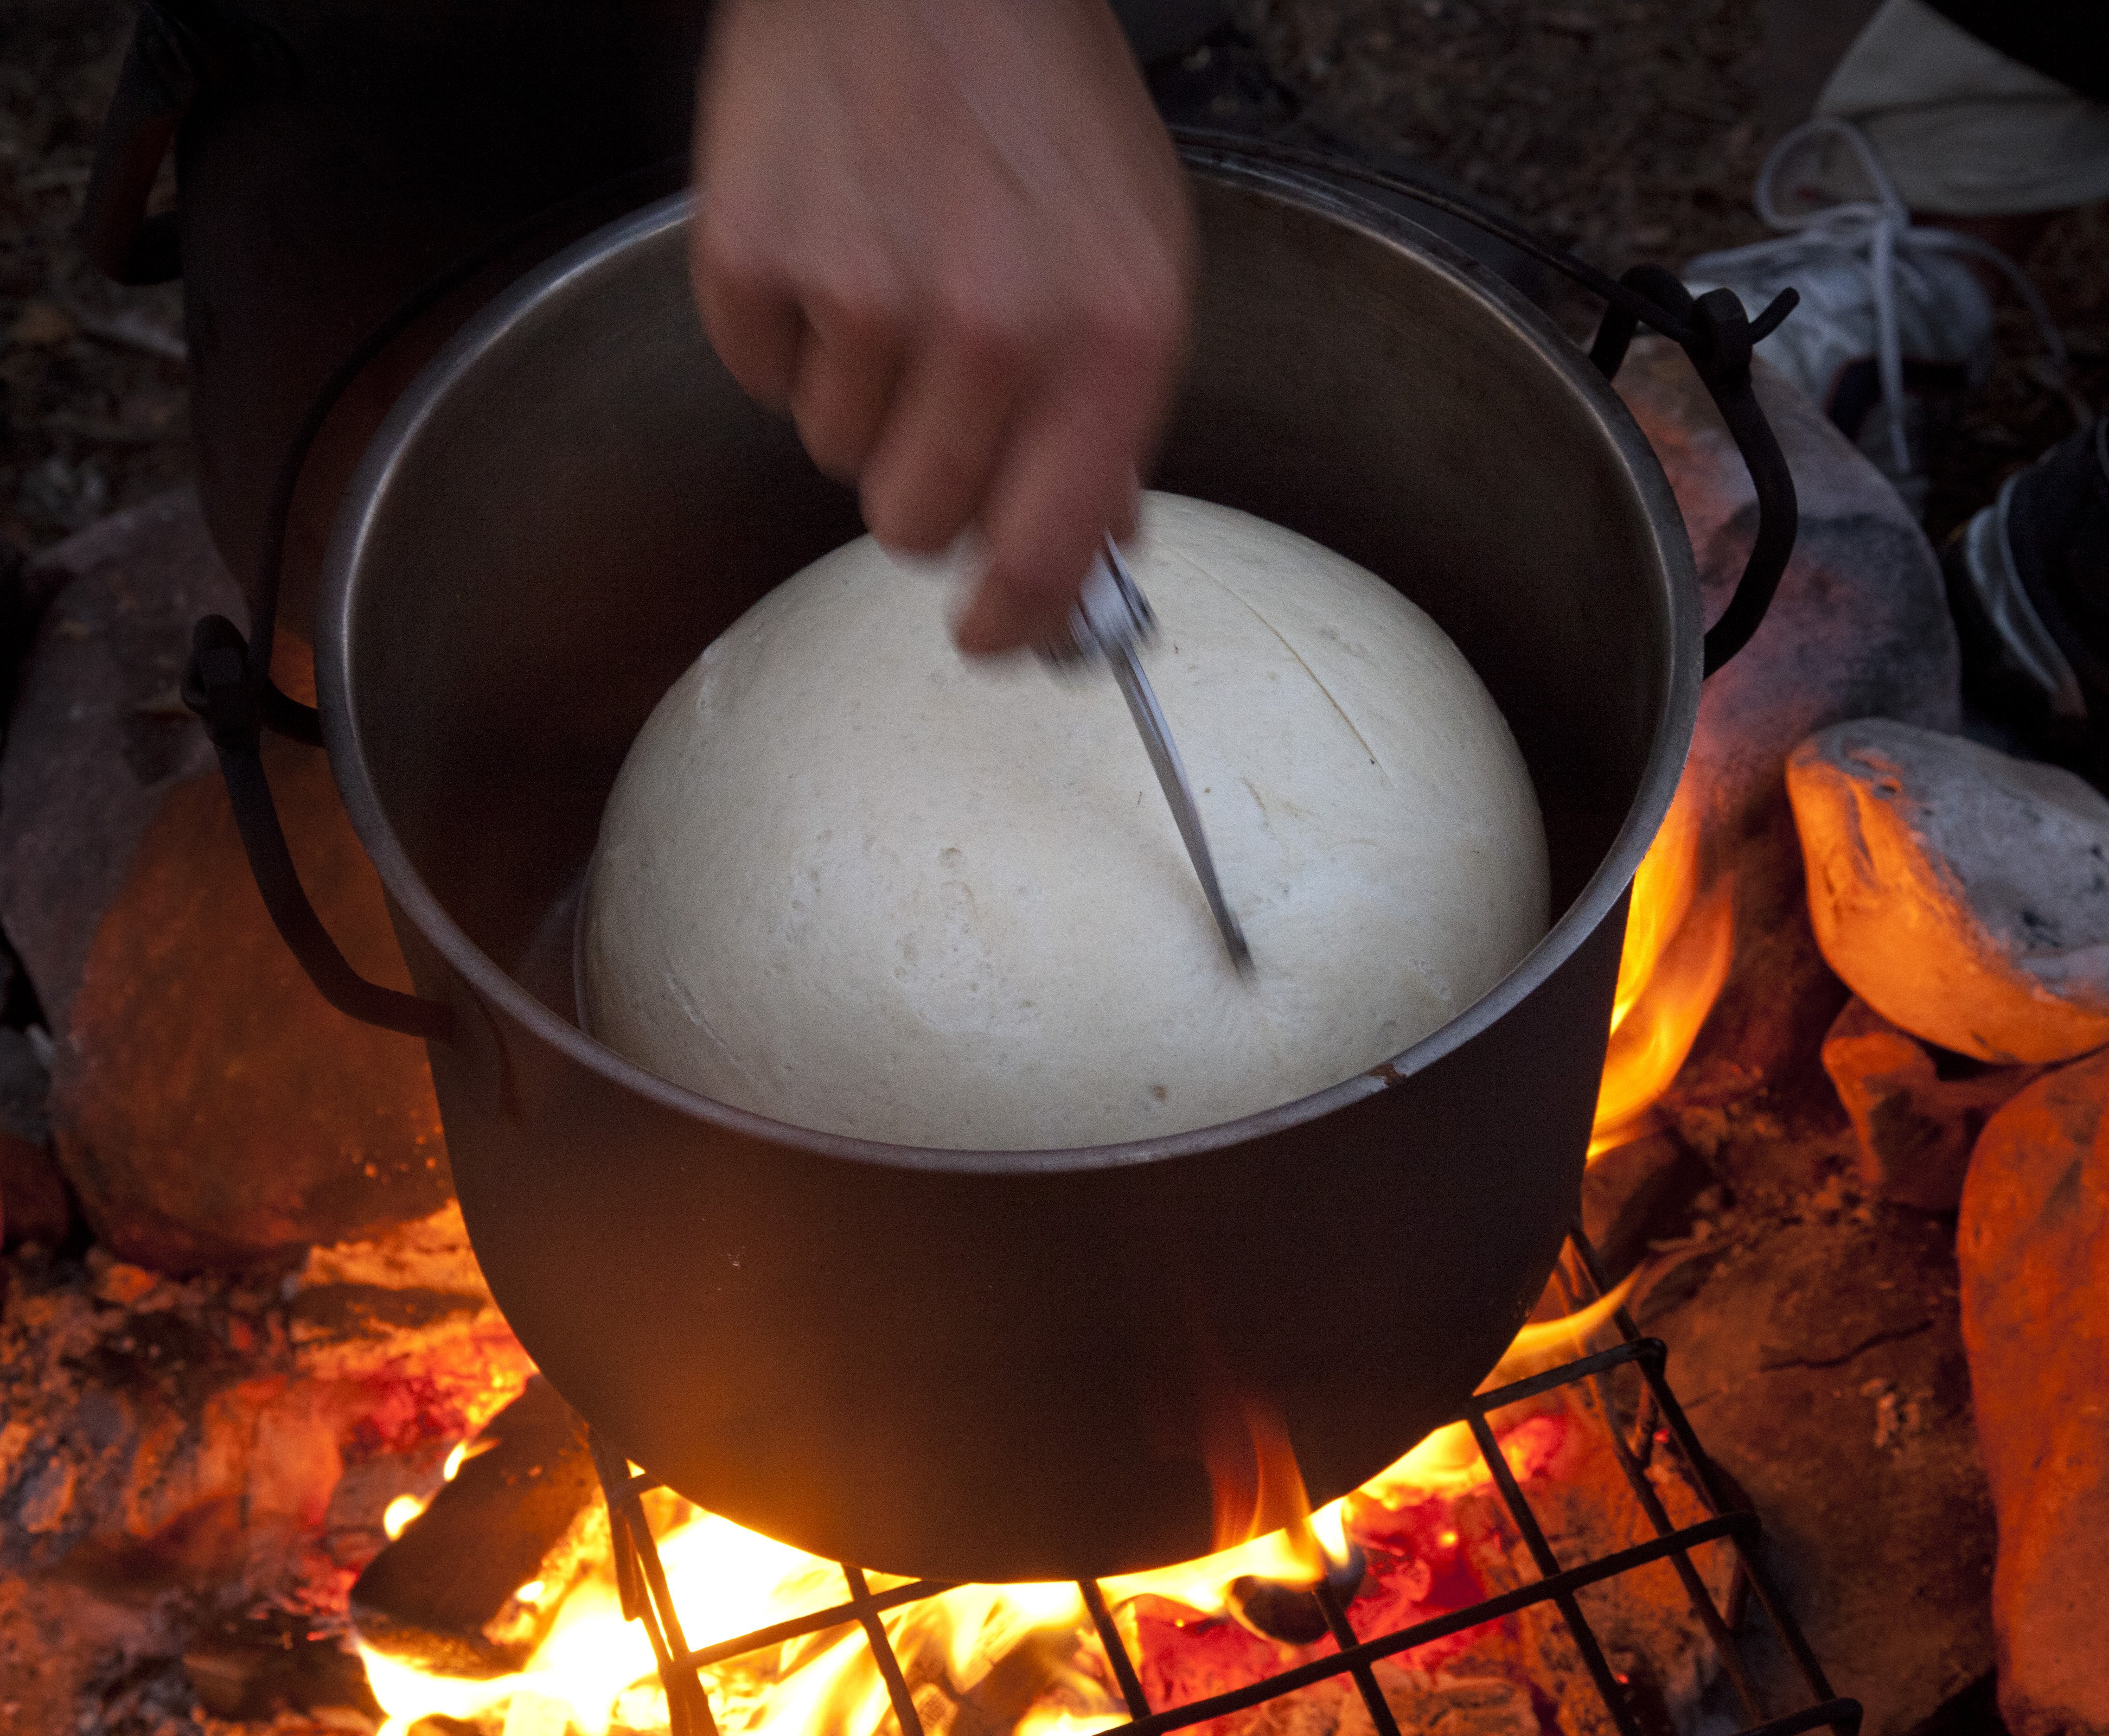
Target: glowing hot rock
852	881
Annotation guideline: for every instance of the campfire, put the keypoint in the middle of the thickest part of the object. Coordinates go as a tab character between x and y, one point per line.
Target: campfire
315	1477
1422	1540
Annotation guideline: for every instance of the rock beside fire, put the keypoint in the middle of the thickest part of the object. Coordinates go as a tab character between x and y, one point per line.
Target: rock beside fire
1823	1365
1635	1193
1859	627
1915	1111
209	1109
2034	1243
1963	894
204	1433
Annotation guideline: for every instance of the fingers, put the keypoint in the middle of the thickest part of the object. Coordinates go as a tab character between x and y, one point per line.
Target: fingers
953	419
844	385
1067	475
751	320
950	238
945	435
953	243
1067	479
915	411
829	356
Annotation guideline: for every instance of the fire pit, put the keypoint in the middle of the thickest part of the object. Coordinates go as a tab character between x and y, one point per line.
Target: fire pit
1505	1669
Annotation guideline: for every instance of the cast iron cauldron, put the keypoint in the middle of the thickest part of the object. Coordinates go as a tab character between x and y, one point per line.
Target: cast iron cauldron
966	1365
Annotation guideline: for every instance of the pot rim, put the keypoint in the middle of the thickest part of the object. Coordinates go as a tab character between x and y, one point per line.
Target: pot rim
1676	718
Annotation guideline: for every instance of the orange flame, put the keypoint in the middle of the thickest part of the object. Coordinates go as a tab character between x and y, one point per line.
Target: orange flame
396	1518
1449	1461
1677	951
1260	1494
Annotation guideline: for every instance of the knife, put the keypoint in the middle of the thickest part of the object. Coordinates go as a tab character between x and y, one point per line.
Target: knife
1111	618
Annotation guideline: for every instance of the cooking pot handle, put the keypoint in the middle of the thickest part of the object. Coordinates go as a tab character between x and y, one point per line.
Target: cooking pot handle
1719	342
1714	331
217	686
228	681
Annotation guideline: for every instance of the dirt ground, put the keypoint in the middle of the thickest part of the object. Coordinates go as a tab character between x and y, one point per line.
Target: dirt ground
94	417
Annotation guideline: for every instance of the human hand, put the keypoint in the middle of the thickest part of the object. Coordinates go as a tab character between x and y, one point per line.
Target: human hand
952	239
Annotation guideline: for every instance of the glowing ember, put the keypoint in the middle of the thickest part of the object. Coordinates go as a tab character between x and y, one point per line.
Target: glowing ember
1449	1461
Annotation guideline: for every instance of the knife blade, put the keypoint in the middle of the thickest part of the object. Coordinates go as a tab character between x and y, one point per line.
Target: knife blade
1111	618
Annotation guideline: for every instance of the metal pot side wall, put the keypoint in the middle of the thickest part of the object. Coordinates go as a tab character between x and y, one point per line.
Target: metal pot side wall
992	1376
976	1365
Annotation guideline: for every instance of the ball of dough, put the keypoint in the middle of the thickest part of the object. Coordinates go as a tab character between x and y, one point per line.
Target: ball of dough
852	881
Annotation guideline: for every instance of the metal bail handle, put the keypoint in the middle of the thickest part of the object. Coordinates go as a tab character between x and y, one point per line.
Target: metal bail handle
1716	332
157	86
1719	348
217	686
228	681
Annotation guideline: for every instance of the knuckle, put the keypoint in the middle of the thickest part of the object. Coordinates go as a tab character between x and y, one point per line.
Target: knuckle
832	440
902	517
1141	317
990	331
863	307
723	250
832	459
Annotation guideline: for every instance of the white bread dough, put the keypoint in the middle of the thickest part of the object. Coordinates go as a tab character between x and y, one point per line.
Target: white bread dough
852	881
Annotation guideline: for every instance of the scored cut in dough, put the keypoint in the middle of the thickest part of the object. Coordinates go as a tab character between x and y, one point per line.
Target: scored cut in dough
849	879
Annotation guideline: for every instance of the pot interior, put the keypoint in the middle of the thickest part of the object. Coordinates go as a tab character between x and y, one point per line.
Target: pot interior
576	499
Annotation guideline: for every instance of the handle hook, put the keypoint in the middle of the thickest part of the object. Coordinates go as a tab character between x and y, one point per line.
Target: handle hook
218	687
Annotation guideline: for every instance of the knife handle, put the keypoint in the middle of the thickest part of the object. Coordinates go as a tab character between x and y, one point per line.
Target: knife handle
1110	612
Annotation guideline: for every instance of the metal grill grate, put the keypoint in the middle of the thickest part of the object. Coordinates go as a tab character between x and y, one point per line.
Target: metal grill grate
1659	1417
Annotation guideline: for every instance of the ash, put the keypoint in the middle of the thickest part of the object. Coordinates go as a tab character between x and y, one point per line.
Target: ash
192	1472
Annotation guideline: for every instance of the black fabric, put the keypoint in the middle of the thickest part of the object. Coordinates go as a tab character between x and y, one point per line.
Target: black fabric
2057	526
2057	535
2067	40
1159	28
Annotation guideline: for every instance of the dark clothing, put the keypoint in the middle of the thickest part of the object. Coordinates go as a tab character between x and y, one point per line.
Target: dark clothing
2067	40
331	156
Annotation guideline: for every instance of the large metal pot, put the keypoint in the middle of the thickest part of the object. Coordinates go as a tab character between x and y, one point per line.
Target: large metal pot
967	1364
